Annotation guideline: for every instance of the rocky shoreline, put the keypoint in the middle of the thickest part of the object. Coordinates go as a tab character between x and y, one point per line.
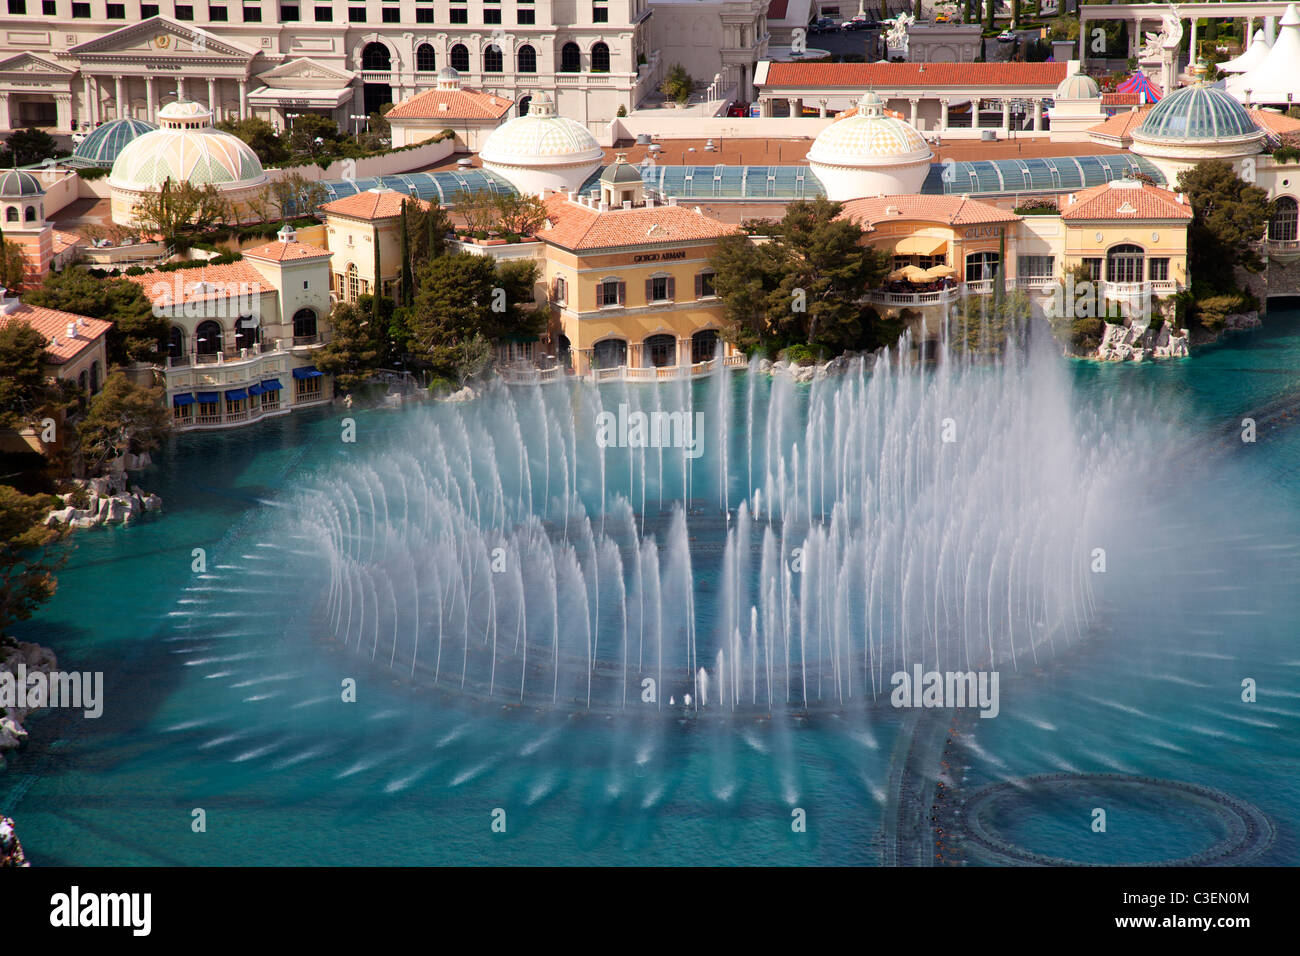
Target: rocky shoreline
35	658
111	499
11	851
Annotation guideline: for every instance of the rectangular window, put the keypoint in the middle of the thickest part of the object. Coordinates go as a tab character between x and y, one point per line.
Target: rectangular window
324	14
657	289
609	293
356	14
1159	270
561	290
17	6
423	15
50	8
252	14
1036	267
185	12
215	14
148	10
1094	268
600	15
307	387
526	17
459	16
81	11
288	14
491	16
704	285
392	15
115	11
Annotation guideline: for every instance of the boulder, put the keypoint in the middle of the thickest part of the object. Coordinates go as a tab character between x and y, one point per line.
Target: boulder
152	503
117	509
12	733
60	517
84	522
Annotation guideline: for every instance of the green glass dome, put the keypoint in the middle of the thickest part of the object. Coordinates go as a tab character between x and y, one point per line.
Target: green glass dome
1196	113
102	145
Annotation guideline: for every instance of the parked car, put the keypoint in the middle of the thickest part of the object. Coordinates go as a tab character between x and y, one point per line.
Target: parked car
857	23
823	25
738	109
943	18
1006	36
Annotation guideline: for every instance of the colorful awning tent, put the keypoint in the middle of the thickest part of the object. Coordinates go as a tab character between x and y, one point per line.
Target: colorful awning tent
1141	84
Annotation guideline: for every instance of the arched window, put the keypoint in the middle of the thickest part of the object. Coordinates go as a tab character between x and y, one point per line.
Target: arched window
1282	227
426	61
610	353
175	343
11	214
704	345
31	214
527	60
460	58
207	338
304	326
81	381
600	58
375	57
981	266
659	351
94	378
492	59
1125	263
524	104
248	332
354	282
570	58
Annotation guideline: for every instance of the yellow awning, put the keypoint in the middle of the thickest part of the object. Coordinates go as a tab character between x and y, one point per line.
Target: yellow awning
920	246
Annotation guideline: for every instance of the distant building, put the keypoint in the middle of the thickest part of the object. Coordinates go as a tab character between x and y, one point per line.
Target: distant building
22	220
244	334
471	114
354	226
76	348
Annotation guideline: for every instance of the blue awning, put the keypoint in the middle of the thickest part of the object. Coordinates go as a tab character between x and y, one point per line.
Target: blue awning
236	395
179	400
255	389
271	385
208	398
307	371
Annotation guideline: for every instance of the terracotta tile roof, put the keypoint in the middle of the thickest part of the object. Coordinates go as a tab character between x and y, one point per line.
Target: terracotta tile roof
574	226
861	76
66	240
451	104
53	324
1120	200
278	251
1276	123
370	204
1119	99
206	282
950	210
1120	126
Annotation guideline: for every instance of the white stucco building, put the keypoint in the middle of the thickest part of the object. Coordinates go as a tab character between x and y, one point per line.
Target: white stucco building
868	153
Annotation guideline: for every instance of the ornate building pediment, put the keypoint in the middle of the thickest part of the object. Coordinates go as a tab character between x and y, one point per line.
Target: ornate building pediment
159	38
306	74
29	63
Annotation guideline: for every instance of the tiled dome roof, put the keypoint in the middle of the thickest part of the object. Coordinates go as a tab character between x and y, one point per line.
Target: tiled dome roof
101	147
540	138
15	183
869	138
1080	86
1196	113
186	148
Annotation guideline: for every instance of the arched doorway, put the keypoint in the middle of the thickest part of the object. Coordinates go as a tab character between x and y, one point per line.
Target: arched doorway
375	58
611	353
570	58
1125	263
1283	226
94	378
304	327
248	332
600	58
524	105
660	351
207	338
176	343
704	345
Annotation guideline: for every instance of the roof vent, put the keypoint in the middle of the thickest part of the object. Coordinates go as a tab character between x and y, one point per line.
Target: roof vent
627	204
72	330
1127	208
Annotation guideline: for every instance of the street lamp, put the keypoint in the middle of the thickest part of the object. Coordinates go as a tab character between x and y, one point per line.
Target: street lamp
358	118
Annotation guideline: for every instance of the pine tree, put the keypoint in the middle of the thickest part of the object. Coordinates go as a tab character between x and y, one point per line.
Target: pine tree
408	279
378	290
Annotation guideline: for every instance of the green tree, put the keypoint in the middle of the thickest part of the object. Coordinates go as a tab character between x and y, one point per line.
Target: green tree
138	333
429	227
177	211
408	274
520	214
11	264
677	84
261	136
122	418
314	135
355	348
24	388
989	7
27	563
27	147
746	276
1229	217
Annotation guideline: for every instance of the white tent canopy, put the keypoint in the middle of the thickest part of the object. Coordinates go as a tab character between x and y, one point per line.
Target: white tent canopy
1253	56
1276	80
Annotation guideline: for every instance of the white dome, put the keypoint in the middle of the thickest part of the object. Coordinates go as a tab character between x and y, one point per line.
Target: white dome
867	153
540	138
1080	86
185	148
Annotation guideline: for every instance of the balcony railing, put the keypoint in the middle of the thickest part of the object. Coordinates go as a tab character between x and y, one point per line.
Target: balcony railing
887	297
307	339
1282	246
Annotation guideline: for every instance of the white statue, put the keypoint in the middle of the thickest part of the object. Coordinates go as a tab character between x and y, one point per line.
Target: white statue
1169	37
896	36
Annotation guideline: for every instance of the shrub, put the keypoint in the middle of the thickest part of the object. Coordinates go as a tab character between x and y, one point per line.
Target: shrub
802	354
92	172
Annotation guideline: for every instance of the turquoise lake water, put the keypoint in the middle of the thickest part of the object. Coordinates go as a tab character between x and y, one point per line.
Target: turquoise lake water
230	702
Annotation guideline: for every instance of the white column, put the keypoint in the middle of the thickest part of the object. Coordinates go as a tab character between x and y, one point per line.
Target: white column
87	110
1250	31
243	99
822	108
1270	28
943	114
913	101
62	106
150	103
5	123
180	87
117	97
1006	115
1038	114
212	98
1191	48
